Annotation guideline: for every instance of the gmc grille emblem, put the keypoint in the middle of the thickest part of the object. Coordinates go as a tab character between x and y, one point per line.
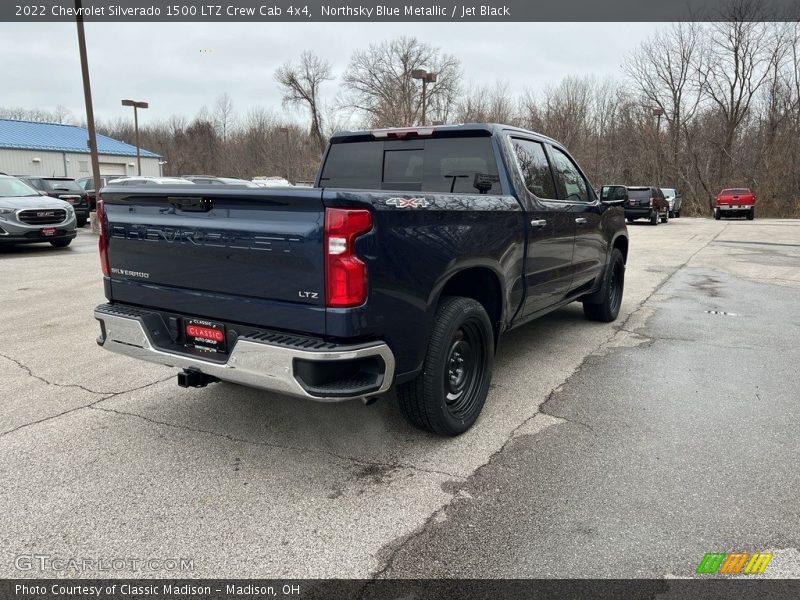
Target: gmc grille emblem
45	214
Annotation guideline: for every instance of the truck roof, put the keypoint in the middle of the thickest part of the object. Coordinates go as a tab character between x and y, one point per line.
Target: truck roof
458	130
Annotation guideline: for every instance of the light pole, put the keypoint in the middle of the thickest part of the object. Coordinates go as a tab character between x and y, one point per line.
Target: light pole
136	106
426	77
658	113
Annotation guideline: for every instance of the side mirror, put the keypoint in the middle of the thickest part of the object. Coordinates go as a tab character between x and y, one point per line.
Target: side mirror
613	194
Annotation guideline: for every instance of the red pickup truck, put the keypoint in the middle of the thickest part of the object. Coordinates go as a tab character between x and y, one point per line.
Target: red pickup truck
735	202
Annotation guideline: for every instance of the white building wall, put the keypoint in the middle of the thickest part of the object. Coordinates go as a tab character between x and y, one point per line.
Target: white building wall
69	164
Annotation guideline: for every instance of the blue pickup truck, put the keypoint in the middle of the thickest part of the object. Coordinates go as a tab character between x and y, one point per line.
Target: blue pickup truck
416	249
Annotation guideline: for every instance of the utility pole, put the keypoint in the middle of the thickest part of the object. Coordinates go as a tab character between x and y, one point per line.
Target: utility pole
87	98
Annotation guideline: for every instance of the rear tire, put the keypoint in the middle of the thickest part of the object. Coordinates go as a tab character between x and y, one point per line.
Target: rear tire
717	214
630	220
678	215
654	218
449	394
60	243
605	304
751	214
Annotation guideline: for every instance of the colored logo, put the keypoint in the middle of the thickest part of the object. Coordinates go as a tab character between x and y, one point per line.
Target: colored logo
408	202
734	563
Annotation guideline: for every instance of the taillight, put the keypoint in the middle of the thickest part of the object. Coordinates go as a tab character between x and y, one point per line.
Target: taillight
651	201
102	244
345	273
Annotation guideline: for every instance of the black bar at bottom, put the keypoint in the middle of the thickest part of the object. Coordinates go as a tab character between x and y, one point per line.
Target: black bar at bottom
743	588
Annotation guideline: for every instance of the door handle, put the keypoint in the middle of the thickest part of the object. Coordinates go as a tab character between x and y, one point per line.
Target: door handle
581	220
538	223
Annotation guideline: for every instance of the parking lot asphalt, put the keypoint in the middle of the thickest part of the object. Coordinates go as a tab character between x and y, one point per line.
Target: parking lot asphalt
623	450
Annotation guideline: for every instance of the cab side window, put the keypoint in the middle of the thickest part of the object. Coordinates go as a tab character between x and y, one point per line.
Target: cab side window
570	183
535	168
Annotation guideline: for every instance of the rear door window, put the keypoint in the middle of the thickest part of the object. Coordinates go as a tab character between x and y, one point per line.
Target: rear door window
535	168
439	165
570	183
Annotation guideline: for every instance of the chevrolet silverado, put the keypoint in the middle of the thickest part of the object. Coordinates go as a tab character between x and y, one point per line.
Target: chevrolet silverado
416	249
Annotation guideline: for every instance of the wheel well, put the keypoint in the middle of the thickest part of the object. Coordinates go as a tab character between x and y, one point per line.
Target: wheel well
480	284
622	244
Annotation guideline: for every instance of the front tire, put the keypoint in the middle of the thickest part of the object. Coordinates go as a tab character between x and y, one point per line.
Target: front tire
60	243
80	223
449	394
604	305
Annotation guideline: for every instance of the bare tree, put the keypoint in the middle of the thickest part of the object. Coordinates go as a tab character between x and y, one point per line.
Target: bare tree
567	110
665	69
224	115
379	83
736	65
486	104
301	83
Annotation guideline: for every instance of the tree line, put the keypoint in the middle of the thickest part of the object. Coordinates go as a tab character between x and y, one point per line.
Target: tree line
697	107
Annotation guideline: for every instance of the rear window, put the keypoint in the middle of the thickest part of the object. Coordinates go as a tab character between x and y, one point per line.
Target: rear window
69	185
458	165
639	193
735	192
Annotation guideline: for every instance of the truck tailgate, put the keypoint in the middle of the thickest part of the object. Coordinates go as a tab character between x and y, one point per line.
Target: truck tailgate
240	255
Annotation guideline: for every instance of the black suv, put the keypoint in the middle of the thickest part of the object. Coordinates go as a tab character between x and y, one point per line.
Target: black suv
646	202
87	183
63	188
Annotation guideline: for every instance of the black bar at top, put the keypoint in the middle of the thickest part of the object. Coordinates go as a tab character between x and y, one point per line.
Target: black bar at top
403	11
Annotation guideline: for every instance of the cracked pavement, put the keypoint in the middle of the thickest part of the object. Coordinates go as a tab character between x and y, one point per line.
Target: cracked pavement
618	450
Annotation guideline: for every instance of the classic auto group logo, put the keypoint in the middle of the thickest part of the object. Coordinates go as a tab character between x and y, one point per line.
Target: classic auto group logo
734	563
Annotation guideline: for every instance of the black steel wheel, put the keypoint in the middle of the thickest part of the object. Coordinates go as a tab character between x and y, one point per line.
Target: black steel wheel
605	304
449	394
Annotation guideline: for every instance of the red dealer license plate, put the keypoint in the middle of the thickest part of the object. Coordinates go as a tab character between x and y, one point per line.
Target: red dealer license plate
47	231
205	335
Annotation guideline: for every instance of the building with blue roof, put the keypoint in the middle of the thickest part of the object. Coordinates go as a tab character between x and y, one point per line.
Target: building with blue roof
53	149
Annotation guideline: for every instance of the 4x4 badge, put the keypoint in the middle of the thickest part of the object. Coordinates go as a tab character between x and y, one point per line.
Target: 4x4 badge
408	202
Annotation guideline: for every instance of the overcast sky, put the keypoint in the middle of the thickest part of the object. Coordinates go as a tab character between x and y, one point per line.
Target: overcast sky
179	68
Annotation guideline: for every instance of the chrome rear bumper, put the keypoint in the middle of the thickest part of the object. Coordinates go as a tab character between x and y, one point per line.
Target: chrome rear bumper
254	361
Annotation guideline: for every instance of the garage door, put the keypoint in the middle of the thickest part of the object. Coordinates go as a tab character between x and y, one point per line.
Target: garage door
112	169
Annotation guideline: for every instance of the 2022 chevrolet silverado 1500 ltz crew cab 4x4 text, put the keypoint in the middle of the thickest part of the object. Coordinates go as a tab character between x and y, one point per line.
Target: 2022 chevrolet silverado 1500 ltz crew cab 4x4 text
415	251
